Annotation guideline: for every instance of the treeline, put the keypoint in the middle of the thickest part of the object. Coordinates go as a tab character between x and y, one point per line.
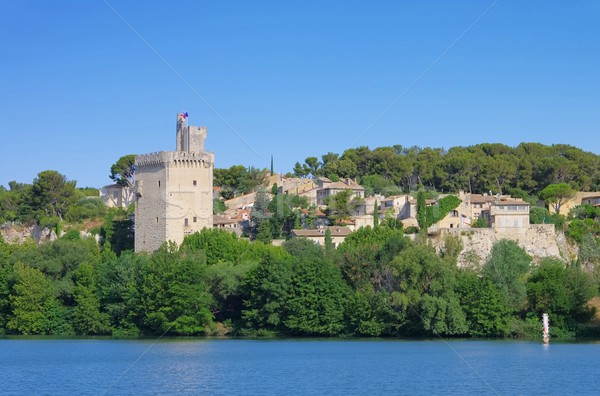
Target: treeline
48	200
528	168
377	283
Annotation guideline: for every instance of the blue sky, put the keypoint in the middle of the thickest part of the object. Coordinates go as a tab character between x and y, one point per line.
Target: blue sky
79	89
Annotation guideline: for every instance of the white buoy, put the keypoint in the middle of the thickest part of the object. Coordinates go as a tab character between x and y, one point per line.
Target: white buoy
546	329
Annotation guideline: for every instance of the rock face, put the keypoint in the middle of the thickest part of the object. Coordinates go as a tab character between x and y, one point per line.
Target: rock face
19	234
538	240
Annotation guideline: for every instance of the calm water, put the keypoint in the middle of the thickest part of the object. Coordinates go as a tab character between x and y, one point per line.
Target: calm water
299	367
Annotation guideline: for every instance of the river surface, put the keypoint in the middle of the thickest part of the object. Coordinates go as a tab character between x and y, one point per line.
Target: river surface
296	367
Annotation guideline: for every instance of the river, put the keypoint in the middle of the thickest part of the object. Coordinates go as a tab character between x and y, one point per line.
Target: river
296	367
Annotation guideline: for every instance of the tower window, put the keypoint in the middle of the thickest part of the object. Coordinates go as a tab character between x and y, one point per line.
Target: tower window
157	220
159	183
195	183
195	219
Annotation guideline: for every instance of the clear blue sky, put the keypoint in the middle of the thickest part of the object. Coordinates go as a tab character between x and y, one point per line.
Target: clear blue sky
79	89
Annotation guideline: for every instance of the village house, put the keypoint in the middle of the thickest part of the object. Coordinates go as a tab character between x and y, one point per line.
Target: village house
116	196
233	220
579	198
509	213
338	235
296	185
327	188
592	199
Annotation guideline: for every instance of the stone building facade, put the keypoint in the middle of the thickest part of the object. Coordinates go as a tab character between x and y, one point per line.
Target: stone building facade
174	190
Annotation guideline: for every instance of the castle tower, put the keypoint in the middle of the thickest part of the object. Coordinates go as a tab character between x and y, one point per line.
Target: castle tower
174	190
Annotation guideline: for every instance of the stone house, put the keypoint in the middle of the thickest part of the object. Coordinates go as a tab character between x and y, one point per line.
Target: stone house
233	220
116	196
327	188
296	185
592	199
509	213
579	198
338	235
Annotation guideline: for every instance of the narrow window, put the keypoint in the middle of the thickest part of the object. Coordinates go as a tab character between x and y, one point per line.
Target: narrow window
159	183
195	183
195	219
185	222
157	220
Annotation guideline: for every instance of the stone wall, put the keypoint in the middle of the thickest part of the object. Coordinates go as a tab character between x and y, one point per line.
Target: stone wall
20	234
538	240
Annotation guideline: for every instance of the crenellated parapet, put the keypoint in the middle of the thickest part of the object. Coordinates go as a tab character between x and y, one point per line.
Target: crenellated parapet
175	158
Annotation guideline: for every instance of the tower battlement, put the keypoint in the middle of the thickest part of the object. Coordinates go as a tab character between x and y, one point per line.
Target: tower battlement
174	157
189	138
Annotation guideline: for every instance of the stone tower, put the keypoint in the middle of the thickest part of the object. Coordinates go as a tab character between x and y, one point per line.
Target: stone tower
174	190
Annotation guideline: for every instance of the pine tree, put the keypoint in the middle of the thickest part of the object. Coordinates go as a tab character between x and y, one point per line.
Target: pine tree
376	215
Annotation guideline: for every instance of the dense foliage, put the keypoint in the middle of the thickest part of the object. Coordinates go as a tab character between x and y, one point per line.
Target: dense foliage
529	167
377	283
49	200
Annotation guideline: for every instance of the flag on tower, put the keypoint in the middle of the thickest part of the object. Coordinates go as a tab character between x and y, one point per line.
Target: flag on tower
185	115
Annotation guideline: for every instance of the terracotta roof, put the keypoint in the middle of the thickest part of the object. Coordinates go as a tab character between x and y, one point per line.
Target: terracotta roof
592	195
335	231
318	213
223	220
510	202
344	186
480	198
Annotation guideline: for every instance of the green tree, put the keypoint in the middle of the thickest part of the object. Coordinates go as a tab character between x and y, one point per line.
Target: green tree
484	308
218	206
122	173
260	213
232	180
481	222
538	215
589	254
120	281
426	286
556	195
341	206
561	292
52	194
264	233
225	279
285	213
365	255
312	165
217	245
300	171
315	305
35	308
87	317
507	268
329	249
421	210
266	288
174	294
376	215
255	179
